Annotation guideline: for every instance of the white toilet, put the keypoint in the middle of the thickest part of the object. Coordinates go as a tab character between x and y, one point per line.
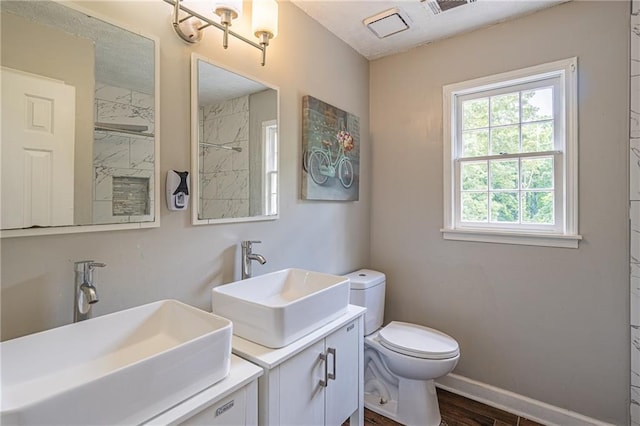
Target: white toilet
401	360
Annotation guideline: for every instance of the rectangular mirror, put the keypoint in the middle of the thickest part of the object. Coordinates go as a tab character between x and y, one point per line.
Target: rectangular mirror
234	122
79	141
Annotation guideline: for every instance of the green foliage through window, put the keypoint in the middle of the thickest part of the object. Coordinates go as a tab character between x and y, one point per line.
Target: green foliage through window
511	190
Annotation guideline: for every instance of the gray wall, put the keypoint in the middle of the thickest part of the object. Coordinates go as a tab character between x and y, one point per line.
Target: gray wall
547	323
182	261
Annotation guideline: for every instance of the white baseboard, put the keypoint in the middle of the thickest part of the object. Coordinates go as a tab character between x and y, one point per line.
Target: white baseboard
514	403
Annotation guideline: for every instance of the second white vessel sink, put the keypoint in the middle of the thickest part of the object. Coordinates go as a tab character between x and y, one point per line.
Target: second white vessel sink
279	308
121	368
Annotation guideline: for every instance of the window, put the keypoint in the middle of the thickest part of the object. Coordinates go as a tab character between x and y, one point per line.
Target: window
510	157
270	187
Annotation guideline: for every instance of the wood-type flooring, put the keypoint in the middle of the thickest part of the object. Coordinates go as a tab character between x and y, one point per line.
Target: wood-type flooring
457	410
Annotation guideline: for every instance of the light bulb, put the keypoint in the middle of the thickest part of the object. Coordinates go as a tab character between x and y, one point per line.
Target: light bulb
264	18
231	7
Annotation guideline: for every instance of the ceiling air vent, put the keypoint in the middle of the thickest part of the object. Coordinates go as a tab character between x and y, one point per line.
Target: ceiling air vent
439	6
387	23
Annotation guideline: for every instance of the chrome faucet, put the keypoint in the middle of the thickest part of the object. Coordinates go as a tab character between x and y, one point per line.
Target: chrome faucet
248	256
85	293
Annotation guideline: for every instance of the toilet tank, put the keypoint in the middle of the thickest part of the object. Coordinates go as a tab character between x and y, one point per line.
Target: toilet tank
367	290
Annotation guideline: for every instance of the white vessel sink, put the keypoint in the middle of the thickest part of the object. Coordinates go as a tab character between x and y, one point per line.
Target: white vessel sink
121	368
276	309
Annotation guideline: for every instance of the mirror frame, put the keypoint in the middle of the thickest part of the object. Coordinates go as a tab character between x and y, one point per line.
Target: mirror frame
195	171
74	229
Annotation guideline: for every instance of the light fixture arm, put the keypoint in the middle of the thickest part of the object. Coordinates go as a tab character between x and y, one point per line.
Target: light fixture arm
264	42
225	20
195	34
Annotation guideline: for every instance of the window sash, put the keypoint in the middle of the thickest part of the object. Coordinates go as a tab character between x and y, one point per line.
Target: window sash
270	167
563	73
558	118
555	83
558	195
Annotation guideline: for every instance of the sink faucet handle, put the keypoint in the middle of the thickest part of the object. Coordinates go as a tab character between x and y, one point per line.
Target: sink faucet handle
247	243
86	267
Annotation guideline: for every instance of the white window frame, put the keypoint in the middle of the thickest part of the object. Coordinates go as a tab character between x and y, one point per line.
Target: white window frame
565	232
270	167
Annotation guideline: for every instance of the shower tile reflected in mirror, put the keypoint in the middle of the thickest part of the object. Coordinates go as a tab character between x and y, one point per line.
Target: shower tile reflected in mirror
110	150
234	145
634	197
130	196
124	153
225	124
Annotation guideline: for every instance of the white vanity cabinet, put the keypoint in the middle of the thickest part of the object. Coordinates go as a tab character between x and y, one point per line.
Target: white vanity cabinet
231	402
317	380
320	385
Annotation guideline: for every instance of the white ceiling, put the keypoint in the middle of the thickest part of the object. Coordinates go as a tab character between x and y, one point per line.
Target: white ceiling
122	58
344	19
216	84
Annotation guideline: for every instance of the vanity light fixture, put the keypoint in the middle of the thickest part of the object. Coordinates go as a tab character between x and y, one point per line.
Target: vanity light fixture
188	24
264	22
227	10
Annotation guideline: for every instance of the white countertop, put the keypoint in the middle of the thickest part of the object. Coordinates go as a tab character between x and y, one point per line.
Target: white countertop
242	372
269	357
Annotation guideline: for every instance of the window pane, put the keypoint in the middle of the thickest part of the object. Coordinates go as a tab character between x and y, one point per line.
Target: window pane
537	207
474	206
475	114
537	173
537	104
504	207
537	136
504	174
505	109
505	140
475	143
474	176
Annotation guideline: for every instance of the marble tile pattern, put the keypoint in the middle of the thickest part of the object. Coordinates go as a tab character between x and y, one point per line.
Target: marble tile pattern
634	197
130	196
224	174
120	154
103	207
635	374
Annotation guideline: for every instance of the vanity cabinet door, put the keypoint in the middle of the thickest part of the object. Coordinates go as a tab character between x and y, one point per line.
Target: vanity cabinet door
238	409
319	386
341	397
301	395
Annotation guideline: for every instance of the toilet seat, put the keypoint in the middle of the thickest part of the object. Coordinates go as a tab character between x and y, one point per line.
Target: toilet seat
418	341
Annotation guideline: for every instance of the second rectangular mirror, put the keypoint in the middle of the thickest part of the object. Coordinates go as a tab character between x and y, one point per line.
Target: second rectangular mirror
234	132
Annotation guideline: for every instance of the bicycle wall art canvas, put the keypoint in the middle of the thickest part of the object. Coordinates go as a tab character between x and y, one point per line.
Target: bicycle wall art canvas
330	152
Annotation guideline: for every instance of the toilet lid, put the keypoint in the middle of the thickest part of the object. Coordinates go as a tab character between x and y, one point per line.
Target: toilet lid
417	341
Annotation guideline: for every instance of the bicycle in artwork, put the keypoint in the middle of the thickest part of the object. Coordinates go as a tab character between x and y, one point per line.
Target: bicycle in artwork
324	162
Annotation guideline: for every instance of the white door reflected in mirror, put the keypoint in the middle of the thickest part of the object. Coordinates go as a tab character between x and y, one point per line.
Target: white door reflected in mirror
38	122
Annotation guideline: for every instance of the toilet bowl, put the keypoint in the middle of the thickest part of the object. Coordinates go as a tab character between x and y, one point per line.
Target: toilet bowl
401	360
